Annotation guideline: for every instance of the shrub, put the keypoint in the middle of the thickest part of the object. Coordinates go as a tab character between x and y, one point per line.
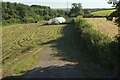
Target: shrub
4	23
28	20
12	20
47	17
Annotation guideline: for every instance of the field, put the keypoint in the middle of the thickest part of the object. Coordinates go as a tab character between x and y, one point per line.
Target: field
107	27
24	45
103	12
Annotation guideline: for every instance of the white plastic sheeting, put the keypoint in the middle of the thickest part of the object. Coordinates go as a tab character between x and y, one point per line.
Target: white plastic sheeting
57	20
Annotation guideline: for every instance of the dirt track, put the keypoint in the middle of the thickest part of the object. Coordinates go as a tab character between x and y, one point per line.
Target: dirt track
54	67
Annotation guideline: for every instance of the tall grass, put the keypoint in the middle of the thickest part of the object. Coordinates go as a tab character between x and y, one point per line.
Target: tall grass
101	48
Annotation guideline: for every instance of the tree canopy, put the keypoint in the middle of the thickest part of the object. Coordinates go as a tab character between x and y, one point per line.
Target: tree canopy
118	14
76	9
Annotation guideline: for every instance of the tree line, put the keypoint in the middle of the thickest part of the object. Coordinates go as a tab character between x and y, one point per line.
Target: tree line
21	13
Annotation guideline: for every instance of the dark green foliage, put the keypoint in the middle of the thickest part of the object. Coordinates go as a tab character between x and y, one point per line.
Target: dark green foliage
76	10
100	47
118	14
12	20
20	13
27	20
87	12
116	46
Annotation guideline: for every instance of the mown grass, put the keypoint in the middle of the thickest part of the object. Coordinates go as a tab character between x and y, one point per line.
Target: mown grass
103	12
22	47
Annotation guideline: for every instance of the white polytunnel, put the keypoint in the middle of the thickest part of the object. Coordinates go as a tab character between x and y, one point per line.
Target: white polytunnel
57	20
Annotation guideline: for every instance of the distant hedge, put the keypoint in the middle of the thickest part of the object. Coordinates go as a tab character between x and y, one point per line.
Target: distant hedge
98	46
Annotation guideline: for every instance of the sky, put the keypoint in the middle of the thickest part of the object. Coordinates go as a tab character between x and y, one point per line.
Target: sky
65	3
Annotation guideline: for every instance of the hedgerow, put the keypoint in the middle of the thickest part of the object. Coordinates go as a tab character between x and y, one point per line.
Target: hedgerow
98	46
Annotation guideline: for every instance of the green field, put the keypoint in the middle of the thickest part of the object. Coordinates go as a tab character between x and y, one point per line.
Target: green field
103	12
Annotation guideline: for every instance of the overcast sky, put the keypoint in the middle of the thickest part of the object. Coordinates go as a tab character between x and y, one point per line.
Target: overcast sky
66	3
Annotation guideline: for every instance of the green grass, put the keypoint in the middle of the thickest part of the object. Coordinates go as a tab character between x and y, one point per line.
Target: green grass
22	47
103	12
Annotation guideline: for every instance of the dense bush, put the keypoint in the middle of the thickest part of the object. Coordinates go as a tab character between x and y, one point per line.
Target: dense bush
100	47
12	20
28	20
4	22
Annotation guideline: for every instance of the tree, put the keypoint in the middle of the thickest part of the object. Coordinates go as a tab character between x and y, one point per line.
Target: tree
76	9
21	11
118	14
